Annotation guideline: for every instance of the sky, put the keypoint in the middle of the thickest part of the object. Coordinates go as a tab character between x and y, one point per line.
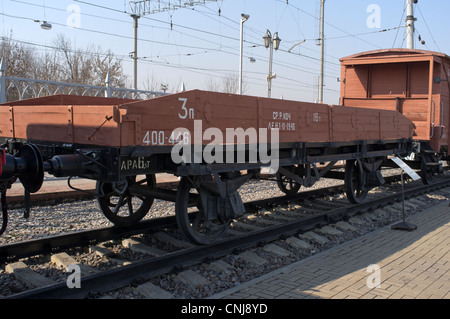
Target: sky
199	45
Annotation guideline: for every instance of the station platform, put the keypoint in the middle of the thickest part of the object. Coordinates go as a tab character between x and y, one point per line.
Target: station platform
384	264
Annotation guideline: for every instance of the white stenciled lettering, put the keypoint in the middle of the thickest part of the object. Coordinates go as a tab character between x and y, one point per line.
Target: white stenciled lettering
154	138
281	116
134	164
188	113
282	126
281	121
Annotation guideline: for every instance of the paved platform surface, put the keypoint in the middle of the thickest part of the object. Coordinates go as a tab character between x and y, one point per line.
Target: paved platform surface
385	264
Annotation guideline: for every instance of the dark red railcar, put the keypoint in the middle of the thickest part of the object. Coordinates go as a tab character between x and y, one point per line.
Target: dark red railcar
412	82
110	122
123	143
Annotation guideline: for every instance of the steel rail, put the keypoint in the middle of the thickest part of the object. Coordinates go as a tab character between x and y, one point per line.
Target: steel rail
119	277
89	237
51	244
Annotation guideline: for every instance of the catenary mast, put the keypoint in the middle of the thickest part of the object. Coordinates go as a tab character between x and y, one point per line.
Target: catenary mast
410	19
144	7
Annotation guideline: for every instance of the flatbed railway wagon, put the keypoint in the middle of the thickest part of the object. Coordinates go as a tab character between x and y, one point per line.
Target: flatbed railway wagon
214	142
412	82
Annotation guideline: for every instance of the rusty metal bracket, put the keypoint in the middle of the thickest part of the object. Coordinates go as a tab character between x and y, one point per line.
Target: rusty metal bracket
107	119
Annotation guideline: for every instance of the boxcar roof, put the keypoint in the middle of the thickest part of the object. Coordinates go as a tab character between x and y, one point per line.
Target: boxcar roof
394	54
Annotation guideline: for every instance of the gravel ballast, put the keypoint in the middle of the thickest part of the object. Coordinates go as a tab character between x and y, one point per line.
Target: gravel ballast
82	215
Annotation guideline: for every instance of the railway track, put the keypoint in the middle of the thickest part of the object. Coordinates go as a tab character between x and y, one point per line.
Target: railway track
279	228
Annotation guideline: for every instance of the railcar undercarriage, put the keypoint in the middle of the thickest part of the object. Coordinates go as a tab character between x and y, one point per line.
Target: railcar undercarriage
214	142
207	198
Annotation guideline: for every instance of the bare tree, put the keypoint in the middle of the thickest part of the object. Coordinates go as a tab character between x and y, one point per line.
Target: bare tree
212	85
65	64
62	64
155	84
18	58
151	83
88	66
47	67
231	84
105	63
227	84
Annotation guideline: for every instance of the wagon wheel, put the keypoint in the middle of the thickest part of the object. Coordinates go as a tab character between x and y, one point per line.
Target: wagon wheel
121	207
286	184
426	171
197	226
356	192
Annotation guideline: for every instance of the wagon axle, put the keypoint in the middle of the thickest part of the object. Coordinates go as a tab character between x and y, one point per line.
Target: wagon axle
27	165
214	197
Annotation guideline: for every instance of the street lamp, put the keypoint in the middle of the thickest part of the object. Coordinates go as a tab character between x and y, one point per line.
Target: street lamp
44	24
245	17
271	42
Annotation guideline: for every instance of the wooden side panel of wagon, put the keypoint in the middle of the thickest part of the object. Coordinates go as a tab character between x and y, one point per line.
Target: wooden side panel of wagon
63	119
413	82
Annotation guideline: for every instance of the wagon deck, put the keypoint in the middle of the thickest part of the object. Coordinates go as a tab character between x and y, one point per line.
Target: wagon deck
119	123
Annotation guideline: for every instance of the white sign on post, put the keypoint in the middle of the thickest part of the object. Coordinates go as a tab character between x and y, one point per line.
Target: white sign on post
406	168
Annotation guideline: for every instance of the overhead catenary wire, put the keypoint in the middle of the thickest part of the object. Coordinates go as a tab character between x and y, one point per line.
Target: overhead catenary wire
287	83
332	25
201	49
166	23
400	24
428	28
214	42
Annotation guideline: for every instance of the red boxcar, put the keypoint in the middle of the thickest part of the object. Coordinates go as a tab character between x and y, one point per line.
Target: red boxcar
413	82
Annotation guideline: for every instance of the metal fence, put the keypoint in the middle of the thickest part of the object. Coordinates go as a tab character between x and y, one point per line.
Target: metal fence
16	88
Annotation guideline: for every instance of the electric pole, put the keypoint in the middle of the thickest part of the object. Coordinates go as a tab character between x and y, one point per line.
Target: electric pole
134	56
144	7
244	19
322	49
410	19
